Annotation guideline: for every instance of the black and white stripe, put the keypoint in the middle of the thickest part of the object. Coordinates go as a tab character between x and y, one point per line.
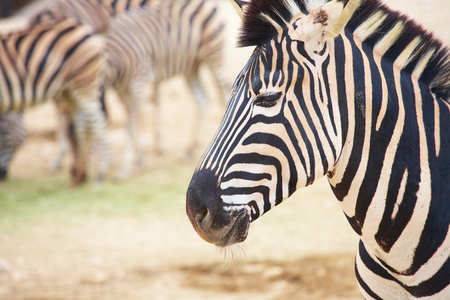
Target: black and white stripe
95	13
148	42
365	106
148	45
63	60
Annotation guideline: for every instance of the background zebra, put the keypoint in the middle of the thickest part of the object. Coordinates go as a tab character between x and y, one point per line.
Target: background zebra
355	92
62	60
96	13
148	44
12	128
87	12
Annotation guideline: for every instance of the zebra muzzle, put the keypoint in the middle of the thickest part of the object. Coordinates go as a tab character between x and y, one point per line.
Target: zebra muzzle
221	230
215	221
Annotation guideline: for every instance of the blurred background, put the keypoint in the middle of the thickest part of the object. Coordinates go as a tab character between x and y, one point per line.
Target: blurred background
131	239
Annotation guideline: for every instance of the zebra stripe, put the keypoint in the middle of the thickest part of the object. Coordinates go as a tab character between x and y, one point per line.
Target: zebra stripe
88	12
96	13
172	38
148	45
120	6
65	61
153	42
28	76
367	108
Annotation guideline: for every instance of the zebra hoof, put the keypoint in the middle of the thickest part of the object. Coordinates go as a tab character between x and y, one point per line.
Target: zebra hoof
78	179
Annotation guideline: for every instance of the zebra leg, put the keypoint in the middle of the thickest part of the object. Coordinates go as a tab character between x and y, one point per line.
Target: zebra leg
72	140
80	146
90	135
98	135
218	74
157	124
133	101
200	121
62	136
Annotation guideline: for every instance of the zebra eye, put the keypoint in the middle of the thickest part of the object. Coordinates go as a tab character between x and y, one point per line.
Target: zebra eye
268	99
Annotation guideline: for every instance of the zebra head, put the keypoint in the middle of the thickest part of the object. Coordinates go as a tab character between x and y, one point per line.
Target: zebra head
280	130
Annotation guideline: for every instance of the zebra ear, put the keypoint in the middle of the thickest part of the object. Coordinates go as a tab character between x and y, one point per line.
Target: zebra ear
239	6
323	23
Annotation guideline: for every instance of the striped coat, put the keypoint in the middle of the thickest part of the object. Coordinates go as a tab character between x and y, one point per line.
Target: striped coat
148	42
63	60
149	45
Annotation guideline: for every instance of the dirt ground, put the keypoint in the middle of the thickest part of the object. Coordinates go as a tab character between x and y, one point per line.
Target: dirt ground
301	250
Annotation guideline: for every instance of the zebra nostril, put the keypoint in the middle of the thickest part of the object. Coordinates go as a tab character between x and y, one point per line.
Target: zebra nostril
203	219
204	214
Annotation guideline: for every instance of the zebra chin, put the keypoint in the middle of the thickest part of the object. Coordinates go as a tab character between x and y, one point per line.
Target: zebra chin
215	221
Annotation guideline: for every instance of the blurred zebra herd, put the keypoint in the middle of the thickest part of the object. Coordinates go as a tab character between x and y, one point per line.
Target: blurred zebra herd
72	51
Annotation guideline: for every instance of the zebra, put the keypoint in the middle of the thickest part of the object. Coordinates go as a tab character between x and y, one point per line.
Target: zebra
12	135
12	128
85	11
148	45
94	13
63	60
354	91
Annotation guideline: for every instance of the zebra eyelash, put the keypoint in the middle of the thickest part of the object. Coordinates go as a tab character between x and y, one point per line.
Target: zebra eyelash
268	99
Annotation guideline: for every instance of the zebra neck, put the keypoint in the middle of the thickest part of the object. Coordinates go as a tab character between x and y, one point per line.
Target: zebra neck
389	164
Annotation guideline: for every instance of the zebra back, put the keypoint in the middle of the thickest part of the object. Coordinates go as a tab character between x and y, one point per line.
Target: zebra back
88	12
120	6
164	39
96	13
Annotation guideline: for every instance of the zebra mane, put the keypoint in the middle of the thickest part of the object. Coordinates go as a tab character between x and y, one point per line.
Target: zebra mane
408	45
395	36
256	28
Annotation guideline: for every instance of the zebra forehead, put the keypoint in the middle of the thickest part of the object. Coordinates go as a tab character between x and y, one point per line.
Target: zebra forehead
263	19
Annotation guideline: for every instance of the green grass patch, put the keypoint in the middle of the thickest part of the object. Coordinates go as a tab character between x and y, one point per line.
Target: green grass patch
25	202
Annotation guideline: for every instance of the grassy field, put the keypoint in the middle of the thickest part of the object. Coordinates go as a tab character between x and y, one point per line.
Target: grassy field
25	201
